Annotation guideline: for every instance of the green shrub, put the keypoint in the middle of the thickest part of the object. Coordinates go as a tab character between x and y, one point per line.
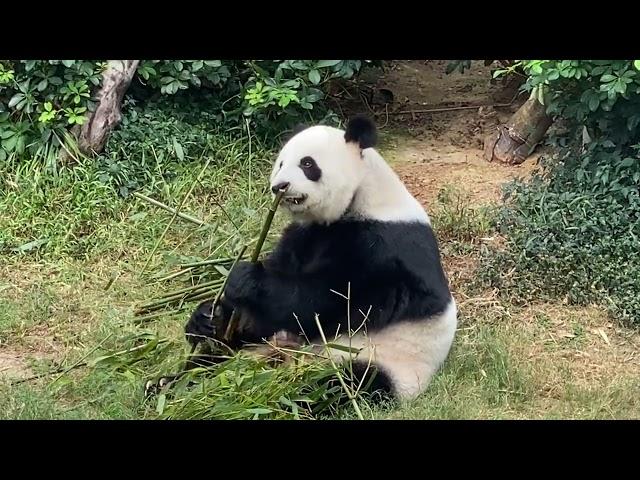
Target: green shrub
567	242
41	99
154	141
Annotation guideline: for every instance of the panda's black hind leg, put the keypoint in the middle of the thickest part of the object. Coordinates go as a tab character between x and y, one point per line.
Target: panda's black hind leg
374	385
371	378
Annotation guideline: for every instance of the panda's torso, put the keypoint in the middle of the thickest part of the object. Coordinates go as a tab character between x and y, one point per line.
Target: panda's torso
393	278
393	268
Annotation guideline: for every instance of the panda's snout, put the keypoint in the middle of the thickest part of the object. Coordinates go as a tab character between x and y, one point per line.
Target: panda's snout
280	186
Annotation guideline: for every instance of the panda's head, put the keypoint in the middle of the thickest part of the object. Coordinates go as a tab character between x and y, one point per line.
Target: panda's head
322	167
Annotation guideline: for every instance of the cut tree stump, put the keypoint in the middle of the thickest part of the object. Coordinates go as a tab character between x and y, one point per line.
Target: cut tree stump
513	142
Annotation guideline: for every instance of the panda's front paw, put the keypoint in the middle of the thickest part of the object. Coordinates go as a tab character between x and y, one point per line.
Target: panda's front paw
205	322
242	284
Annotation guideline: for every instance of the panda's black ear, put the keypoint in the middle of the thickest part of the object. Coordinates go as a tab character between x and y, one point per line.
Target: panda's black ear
362	130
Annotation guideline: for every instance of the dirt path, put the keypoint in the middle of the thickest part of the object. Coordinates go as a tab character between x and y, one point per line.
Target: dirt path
431	150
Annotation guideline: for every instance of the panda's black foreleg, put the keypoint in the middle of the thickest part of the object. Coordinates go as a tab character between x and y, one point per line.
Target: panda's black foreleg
202	331
208	321
273	298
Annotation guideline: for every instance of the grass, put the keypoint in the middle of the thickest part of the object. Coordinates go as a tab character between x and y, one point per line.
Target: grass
501	368
536	361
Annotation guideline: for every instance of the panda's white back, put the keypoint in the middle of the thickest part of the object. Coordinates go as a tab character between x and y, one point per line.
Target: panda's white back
383	196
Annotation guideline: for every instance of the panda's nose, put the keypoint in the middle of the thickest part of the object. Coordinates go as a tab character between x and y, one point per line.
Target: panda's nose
280	186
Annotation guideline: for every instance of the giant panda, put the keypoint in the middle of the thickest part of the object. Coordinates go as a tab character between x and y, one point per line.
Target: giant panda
355	228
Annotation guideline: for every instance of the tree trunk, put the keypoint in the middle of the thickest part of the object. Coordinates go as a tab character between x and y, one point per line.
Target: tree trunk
93	134
516	140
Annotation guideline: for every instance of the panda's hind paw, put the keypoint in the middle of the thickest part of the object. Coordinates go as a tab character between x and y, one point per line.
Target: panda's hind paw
154	387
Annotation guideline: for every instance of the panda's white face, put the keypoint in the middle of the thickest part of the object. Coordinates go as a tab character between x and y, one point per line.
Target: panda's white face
321	172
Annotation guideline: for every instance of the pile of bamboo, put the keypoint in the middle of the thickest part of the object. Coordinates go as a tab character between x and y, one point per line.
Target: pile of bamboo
211	289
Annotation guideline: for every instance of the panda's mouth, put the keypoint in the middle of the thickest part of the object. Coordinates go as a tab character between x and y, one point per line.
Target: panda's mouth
295	199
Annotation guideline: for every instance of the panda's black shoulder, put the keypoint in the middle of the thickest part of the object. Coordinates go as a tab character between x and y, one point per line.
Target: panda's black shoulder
341	235
407	255
313	247
354	243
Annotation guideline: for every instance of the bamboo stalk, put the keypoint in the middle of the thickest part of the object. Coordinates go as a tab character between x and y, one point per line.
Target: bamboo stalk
197	294
254	258
152	316
112	279
180	295
161	205
204	296
192	288
200	296
184	200
352	397
224	284
189	291
256	254
173	275
204	263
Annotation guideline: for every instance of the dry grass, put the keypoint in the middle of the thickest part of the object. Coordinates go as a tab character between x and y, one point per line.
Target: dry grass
539	361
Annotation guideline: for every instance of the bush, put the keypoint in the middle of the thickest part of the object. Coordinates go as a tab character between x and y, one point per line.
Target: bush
568	242
574	230
40	99
154	141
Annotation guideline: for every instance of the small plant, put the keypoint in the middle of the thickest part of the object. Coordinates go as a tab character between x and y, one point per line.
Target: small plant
455	219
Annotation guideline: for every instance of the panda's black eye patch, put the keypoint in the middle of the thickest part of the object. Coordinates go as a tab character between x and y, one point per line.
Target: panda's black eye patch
310	169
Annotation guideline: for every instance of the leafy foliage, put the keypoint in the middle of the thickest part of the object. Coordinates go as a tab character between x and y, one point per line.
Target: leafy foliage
171	76
271	94
573	231
41	99
249	388
603	94
155	139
